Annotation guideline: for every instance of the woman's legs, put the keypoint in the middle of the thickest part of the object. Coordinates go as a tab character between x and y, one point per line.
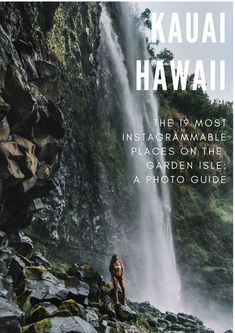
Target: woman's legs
115	284
122	285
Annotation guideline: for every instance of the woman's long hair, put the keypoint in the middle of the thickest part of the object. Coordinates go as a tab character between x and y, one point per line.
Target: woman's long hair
113	259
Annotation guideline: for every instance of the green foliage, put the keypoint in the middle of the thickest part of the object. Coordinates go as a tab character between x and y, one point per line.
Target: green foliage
165	55
56	40
145	18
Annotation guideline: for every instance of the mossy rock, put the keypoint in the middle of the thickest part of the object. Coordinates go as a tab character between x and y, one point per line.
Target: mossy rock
124	313
107	288
43	326
60	324
40	312
23	300
62	313
35	271
73	307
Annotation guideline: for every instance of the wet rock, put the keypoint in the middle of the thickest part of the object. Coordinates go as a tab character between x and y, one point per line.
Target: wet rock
51	121
124	313
45	287
75	308
107	307
4	108
47	71
21	243
188	320
72	324
171	317
92	317
61	325
27	55
40	189
23	46
19	159
88	273
164	323
17	270
145	308
104	328
5	253
10	317
38	259
183	317
41	311
40	285
178	327
6	286
36	205
16	85
28	89
78	290
78	271
48	78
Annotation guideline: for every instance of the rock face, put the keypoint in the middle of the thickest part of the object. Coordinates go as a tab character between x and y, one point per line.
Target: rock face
31	124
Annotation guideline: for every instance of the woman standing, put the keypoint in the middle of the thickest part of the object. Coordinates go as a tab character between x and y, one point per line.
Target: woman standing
116	269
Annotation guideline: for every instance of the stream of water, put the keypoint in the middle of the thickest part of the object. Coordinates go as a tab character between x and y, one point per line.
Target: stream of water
152	262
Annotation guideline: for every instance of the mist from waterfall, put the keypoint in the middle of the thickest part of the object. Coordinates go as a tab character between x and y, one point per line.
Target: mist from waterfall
151	264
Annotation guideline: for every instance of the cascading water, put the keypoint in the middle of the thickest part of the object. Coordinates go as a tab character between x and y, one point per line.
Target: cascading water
152	264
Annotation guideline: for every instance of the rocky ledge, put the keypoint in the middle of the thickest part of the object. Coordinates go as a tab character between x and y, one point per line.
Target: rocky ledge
36	297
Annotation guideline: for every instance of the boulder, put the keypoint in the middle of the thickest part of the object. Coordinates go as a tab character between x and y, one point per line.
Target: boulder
61	325
107	307
17	270
21	243
38	259
145	308
40	312
10	317
92	277
78	271
42	286
171	317
19	159
183	317
124	313
88	273
92	317
75	308
6	286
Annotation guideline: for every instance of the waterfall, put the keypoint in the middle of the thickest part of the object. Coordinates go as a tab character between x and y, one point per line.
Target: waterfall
152	264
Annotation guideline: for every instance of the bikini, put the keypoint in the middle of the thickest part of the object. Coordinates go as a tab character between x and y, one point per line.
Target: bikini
117	270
